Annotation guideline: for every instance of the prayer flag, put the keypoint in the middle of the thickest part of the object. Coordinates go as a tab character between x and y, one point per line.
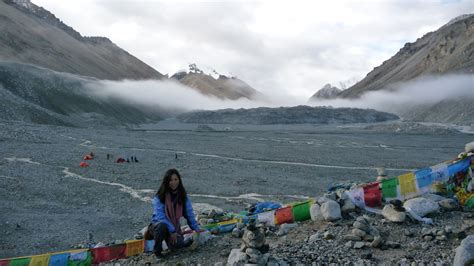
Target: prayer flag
267	217
40	260
407	184
357	197
372	195
389	188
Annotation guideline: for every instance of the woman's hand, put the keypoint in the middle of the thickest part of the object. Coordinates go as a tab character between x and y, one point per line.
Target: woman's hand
174	238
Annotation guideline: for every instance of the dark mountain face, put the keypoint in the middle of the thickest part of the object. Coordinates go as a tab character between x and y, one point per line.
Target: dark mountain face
30	34
38	95
450	49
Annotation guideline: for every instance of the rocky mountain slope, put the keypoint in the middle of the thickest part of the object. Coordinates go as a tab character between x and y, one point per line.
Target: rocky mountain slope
30	34
215	84
38	95
449	49
326	92
288	115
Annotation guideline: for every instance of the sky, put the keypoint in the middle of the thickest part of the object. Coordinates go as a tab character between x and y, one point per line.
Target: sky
286	49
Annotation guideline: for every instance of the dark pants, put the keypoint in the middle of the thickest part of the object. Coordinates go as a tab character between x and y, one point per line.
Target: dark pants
160	232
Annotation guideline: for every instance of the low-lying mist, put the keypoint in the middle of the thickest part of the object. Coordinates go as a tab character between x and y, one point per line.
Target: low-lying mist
400	97
177	98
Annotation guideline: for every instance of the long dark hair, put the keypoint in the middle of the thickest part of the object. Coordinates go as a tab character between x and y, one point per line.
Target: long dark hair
165	186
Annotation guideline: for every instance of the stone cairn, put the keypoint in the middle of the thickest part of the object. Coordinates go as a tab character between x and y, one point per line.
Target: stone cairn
254	250
365	235
254	244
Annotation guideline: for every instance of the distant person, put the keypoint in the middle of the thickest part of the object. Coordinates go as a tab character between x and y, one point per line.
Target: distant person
108	156
131	159
169	205
135	158
128	160
176	156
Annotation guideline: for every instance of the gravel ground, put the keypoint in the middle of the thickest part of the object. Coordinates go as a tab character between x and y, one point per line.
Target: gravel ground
49	203
306	244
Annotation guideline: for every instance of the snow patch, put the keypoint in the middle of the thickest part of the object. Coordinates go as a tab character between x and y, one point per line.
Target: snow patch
23	160
133	192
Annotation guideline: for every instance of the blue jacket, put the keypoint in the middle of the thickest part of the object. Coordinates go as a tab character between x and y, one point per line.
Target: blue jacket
159	215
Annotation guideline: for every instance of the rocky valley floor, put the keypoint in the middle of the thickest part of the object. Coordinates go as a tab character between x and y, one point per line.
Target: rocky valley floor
50	204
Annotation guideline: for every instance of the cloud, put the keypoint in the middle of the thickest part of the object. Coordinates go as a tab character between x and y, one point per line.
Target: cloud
283	47
427	90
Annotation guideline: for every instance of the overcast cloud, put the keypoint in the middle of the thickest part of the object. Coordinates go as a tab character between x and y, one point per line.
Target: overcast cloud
281	48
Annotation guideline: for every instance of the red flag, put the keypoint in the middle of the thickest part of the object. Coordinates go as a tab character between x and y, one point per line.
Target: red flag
372	195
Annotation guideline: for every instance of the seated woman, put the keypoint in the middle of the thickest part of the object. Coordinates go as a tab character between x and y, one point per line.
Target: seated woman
170	204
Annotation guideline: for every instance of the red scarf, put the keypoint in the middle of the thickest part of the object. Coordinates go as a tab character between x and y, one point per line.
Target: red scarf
174	212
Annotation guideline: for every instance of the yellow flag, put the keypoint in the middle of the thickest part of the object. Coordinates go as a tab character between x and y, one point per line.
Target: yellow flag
40	260
407	183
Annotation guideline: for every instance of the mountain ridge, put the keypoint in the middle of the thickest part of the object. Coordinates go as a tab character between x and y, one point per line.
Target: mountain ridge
33	35
450	49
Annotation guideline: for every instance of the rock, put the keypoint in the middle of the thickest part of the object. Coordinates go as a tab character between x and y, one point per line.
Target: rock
240	225
433	197
331	196
368	238
378	241
362	226
348	206
315	212
236	232
313	238
448	229
263	260
349	244
442	238
285	228
374	231
352	237
359	245
426	231
236	257
392	244
408	233
220	263
465	252
253	255
421	206
428	238
392	215
331	211
272	262
449	204
358	232
254	239
328	235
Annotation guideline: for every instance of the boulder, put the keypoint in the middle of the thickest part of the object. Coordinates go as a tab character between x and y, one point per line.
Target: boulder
331	210
421	206
348	206
465	252
433	197
236	257
315	212
449	204
392	215
285	228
